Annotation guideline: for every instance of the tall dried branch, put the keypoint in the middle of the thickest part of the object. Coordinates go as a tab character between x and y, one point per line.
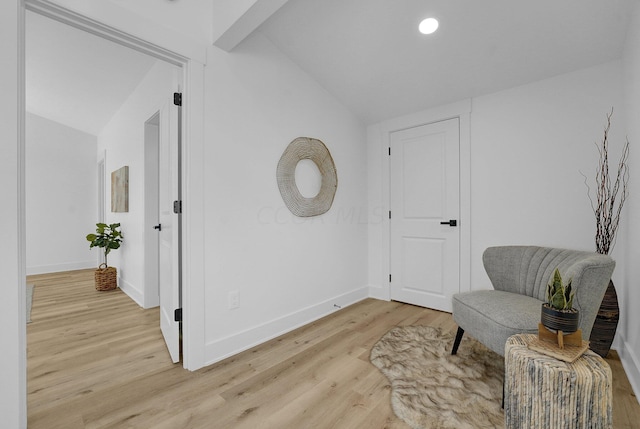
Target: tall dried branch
610	195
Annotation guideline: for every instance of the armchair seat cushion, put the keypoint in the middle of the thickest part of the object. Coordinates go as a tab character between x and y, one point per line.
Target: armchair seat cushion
496	315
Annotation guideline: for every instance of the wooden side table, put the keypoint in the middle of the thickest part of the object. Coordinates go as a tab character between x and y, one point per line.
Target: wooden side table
547	393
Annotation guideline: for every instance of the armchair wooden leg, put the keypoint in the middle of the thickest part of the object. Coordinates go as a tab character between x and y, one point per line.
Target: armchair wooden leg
456	343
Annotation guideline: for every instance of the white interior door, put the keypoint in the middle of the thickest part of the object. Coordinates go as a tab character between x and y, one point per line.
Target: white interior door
169	234
425	197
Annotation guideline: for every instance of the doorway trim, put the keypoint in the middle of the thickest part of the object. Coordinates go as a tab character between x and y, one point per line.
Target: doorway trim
462	111
191	57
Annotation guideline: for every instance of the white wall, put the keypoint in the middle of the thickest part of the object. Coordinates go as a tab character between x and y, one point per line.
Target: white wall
123	140
528	146
287	270
13	389
629	327
61	196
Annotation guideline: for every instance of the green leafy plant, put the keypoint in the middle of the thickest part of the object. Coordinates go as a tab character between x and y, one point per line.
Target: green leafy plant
559	295
106	237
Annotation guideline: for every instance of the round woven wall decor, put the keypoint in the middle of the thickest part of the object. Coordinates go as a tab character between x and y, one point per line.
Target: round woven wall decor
313	149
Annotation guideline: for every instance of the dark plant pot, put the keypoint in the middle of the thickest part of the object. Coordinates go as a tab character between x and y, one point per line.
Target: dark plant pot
606	323
559	320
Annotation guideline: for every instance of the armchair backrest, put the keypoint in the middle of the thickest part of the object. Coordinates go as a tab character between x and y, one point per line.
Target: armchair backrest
527	270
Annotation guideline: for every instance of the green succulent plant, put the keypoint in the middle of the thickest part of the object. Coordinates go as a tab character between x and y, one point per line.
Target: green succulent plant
107	237
559	295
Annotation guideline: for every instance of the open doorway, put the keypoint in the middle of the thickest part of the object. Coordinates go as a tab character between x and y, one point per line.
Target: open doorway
61	79
178	51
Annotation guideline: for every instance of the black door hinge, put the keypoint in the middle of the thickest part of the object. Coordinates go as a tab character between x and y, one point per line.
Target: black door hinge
177	315
389	278
177	207
389	150
177	98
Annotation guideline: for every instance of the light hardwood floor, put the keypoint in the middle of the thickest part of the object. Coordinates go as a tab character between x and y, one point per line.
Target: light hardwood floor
96	360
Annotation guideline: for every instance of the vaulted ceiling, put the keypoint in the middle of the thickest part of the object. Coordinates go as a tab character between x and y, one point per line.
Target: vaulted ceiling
367	53
370	55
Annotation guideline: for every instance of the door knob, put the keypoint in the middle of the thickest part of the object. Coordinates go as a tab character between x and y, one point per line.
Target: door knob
158	227
452	222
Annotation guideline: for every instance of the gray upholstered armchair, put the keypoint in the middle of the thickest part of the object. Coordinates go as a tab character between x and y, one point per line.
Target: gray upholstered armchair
519	275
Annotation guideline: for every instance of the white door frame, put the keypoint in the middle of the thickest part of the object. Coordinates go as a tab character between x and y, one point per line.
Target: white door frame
176	49
461	110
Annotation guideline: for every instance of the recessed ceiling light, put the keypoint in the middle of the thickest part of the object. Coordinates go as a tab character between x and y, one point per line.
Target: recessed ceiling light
428	26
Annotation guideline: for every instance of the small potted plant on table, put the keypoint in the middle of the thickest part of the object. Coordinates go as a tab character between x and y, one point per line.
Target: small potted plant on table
108	238
558	313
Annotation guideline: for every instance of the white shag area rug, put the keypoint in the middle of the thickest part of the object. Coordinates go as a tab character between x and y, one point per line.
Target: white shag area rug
432	389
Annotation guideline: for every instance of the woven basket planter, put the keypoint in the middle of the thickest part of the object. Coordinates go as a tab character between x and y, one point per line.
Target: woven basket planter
106	278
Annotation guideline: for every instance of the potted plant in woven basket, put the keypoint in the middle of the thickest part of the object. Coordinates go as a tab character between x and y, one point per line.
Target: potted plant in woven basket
108	238
558	313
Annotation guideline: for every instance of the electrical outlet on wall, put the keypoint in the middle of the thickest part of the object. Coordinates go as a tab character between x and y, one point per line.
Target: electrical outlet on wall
233	299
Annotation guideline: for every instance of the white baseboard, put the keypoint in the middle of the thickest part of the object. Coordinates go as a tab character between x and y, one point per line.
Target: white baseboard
225	347
381	293
56	268
133	293
630	363
151	302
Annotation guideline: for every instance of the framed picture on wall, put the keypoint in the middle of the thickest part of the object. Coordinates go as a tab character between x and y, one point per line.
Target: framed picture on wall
120	190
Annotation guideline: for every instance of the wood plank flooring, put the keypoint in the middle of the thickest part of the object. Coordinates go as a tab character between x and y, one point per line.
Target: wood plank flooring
96	360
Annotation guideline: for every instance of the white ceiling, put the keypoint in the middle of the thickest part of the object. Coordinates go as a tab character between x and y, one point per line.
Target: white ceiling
369	54
75	78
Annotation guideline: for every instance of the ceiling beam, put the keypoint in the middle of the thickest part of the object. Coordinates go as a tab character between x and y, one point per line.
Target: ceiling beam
234	20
